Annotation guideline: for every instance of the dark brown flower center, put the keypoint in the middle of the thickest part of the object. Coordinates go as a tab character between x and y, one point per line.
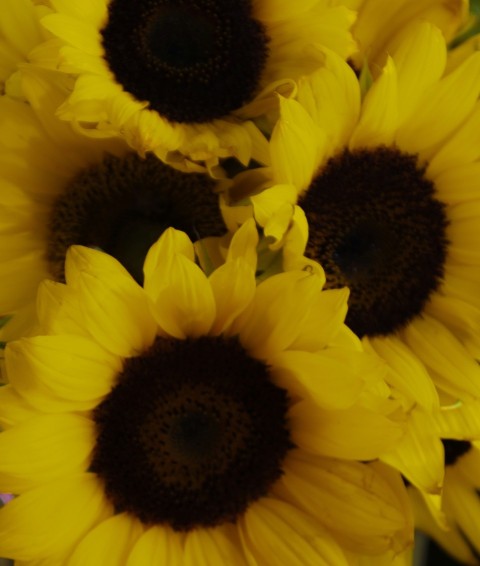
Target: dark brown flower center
376	226
192	434
455	449
191	60
124	204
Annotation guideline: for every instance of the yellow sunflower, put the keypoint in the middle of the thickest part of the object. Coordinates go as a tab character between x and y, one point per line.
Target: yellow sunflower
383	191
60	188
182	79
195	420
381	26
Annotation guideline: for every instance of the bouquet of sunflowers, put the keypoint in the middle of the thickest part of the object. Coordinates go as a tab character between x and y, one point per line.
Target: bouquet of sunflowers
239	281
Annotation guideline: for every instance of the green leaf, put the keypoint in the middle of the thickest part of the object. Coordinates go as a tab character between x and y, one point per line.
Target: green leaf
472	28
365	80
475	7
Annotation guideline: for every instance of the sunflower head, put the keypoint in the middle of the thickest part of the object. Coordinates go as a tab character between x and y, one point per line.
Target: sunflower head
183	79
193	405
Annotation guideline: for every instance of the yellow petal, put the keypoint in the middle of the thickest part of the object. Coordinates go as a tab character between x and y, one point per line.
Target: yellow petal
233	286
420	61
331	96
277	225
460	150
419	455
326	488
277	312
268	202
463	504
453	98
109	542
458	373
44	448
277	534
460	421
353	434
244	244
211	547
61	373
79	34
58	309
324	320
170	243
331	383
184	304
469	464
158	545
19	25
50	519
116	310
274	10
297	146
379	119
458	183
462	233
405	371
449	536
92	12
460	316
13	408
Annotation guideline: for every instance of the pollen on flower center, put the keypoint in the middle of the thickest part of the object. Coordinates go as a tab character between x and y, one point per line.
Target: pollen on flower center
192	434
191	60
376	227
124	204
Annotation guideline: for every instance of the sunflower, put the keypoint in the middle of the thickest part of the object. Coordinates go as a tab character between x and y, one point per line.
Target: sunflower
61	188
380	26
385	196
182	79
195	419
